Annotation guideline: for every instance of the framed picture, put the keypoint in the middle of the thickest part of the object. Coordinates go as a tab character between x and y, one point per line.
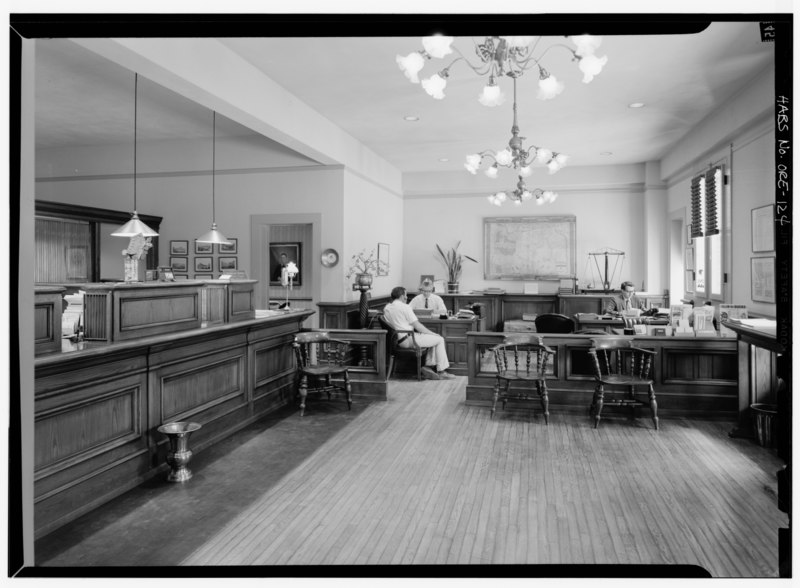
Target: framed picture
383	259
179	247
179	264
762	279
203	248
227	263
204	264
204	276
181	277
231	249
279	255
508	241
763	228
426	278
165	274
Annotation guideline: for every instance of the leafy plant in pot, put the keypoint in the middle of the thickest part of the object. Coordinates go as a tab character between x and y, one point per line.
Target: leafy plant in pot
453	261
364	266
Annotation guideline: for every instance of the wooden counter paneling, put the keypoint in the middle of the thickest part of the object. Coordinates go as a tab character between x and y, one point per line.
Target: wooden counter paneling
97	408
693	376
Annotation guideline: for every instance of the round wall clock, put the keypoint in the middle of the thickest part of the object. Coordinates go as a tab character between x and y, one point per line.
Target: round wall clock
329	258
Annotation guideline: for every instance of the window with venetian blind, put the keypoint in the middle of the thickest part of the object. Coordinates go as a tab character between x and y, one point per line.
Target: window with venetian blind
706	209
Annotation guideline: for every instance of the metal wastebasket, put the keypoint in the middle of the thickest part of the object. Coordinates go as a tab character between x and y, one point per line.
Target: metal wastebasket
764	423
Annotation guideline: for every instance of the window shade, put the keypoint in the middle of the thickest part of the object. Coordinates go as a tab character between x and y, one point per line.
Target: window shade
697	206
706	198
713	198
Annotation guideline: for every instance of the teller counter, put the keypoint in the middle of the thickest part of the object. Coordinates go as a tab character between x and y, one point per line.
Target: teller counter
697	376
97	405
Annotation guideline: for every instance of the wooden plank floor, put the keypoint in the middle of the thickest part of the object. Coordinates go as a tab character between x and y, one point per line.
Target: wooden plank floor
424	479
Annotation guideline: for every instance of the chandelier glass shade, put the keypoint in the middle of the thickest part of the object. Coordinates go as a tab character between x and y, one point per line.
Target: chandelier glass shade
135	226
501	56
214	235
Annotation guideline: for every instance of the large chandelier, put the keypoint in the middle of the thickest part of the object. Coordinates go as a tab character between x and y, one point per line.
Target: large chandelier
499	56
520	159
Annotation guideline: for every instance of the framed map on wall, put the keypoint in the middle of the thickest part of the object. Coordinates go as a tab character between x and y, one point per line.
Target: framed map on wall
529	248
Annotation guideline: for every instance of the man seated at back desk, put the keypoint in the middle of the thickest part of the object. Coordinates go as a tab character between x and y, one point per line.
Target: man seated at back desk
426	299
624	302
399	315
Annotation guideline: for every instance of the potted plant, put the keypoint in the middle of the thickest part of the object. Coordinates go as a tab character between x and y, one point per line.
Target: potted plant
364	267
453	261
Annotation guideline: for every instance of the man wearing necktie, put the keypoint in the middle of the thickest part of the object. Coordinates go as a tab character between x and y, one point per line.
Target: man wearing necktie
427	299
624	301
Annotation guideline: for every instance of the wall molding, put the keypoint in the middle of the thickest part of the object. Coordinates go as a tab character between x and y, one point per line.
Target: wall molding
629	188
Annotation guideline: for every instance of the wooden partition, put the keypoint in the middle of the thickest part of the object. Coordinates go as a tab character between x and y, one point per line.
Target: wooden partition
98	407
47	318
695	376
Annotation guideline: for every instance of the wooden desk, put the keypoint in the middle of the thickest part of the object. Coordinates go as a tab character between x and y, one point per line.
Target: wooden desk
454	331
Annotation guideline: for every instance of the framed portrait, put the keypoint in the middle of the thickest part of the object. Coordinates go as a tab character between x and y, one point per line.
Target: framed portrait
203	248
179	264
427	278
763	228
383	259
227	264
279	255
179	247
762	279
231	249
204	264
204	276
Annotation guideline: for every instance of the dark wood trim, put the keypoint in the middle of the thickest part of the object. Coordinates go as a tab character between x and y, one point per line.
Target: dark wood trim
96	216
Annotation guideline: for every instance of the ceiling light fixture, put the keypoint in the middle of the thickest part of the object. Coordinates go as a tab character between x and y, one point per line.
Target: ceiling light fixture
411	118
636	105
501	56
517	157
213	236
135	226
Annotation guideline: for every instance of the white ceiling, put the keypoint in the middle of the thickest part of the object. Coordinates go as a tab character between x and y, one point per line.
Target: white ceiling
83	99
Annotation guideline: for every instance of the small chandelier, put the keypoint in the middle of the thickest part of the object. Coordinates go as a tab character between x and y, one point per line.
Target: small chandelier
499	56
517	157
521	194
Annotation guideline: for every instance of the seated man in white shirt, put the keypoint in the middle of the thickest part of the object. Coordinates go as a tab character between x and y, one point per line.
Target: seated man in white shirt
426	299
401	317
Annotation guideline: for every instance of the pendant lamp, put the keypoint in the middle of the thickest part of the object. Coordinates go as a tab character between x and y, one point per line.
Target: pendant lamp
134	226
213	236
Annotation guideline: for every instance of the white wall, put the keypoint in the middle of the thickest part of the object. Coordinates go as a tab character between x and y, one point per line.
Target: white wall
740	134
603	219
372	214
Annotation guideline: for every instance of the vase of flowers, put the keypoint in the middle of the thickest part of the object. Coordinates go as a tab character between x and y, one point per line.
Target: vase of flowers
453	261
137	247
364	266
